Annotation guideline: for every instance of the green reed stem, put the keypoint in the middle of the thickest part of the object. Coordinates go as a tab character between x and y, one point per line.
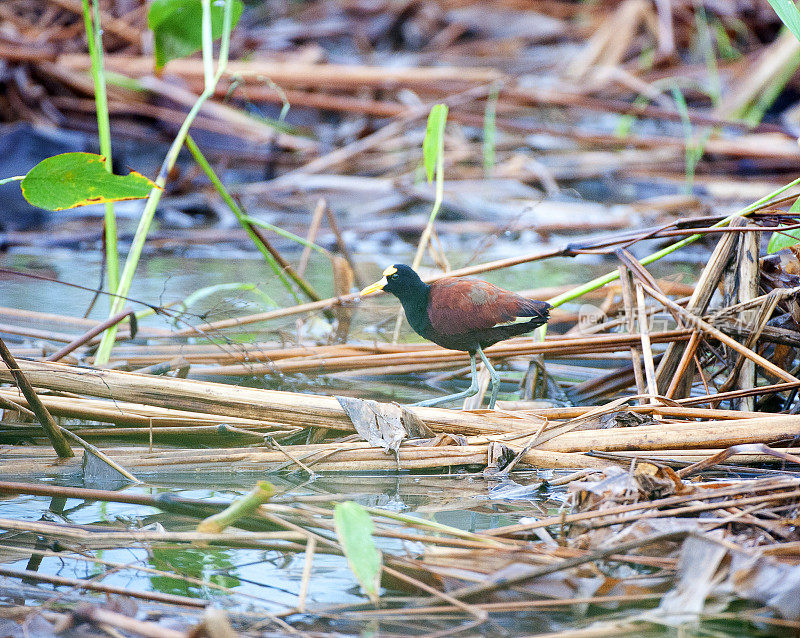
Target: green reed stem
146	220
91	19
202	162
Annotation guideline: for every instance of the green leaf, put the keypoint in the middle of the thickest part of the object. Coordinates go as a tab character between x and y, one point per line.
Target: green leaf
78	179
354	529
789	15
490	130
177	26
783	239
786	238
433	145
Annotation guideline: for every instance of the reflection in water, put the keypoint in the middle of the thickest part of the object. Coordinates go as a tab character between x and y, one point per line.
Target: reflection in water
210	564
272	577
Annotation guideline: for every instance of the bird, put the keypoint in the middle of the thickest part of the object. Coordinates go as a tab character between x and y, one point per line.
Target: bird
461	314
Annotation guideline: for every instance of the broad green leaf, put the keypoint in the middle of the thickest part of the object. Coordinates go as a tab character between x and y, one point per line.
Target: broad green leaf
433	145
782	240
354	529
79	179
176	25
788	13
786	238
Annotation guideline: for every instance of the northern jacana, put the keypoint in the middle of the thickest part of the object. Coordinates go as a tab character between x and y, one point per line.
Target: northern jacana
461	314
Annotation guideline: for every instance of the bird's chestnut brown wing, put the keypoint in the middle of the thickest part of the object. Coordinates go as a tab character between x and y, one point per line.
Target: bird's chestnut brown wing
456	306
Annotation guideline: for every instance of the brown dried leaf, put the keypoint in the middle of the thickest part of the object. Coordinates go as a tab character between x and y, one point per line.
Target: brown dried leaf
624	419
611	482
781	269
654	486
379	423
710	570
499	455
447	438
658	481
416	427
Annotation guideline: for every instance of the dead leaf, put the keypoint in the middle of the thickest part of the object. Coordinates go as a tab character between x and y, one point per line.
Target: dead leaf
499	455
624	419
416	427
379	423
710	572
609	483
657	481
700	559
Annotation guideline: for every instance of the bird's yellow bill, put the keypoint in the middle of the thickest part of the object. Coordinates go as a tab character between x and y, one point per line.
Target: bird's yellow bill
373	288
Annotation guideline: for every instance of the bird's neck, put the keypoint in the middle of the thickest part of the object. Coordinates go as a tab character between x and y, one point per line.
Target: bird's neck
416	308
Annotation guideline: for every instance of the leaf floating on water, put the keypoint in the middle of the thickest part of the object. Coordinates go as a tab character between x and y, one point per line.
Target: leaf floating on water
70	180
354	530
100	475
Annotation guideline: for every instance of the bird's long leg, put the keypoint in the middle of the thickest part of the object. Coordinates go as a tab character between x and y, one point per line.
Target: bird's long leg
494	376
473	388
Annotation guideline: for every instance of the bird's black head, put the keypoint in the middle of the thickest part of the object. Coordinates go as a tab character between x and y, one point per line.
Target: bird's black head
400	280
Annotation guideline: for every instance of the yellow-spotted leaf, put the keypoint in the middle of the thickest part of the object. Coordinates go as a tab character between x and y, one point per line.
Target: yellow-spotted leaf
70	180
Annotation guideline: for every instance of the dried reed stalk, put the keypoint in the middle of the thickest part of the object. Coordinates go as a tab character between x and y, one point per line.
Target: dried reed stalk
15	373
721	336
560	448
704	290
749	275
134	414
292	74
713	434
511	348
626	285
288	408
